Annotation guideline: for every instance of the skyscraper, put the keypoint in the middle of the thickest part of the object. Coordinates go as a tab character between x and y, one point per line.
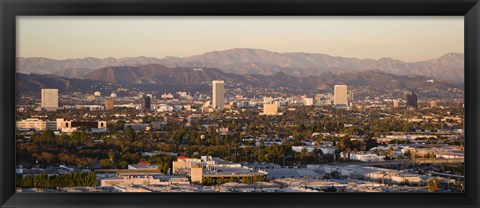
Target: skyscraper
395	103
109	104
412	100
146	103
340	95
217	94
50	99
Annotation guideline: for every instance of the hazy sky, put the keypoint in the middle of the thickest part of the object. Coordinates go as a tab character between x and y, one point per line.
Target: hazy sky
404	38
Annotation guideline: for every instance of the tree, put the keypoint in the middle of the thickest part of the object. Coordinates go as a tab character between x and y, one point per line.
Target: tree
48	136
106	163
64	138
77	137
163	161
111	156
304	157
129	133
371	143
347	155
47	157
432	185
52	182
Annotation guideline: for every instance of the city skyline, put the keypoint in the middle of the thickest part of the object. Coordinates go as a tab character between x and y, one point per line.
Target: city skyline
404	38
240	120
360	141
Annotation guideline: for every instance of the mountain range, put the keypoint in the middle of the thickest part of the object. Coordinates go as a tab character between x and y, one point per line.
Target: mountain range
245	61
159	78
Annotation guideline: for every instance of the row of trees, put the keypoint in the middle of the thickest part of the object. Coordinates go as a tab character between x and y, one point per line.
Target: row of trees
74	179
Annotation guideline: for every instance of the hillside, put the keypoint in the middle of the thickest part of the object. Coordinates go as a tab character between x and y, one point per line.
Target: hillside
32	83
449	67
374	80
158	78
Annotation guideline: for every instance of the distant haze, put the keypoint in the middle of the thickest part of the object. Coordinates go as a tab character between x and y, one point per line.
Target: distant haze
404	38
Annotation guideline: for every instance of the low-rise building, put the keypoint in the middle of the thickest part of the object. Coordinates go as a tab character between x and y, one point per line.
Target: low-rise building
270	109
36	124
71	126
216	169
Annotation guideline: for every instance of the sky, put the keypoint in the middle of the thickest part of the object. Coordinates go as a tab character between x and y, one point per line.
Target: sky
405	38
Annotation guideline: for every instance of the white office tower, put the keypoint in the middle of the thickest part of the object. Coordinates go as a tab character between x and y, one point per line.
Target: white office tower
50	99
340	95
97	94
395	103
217	94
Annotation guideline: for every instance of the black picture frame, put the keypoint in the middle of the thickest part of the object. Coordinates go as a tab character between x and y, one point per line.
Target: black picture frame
9	9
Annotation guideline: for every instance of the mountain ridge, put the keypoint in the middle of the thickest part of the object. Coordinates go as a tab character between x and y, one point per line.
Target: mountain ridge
156	74
448	67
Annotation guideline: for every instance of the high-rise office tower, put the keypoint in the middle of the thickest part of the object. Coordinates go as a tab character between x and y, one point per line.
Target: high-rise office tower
50	99
412	99
146	103
395	103
217	94
340	95
109	104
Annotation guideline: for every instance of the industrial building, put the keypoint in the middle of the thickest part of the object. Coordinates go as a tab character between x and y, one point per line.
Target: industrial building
62	125
215	169
91	126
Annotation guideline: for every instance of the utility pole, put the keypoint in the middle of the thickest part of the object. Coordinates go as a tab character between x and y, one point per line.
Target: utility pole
334	158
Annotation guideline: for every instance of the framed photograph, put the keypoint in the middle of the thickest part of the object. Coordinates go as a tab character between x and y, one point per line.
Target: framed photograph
239	103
